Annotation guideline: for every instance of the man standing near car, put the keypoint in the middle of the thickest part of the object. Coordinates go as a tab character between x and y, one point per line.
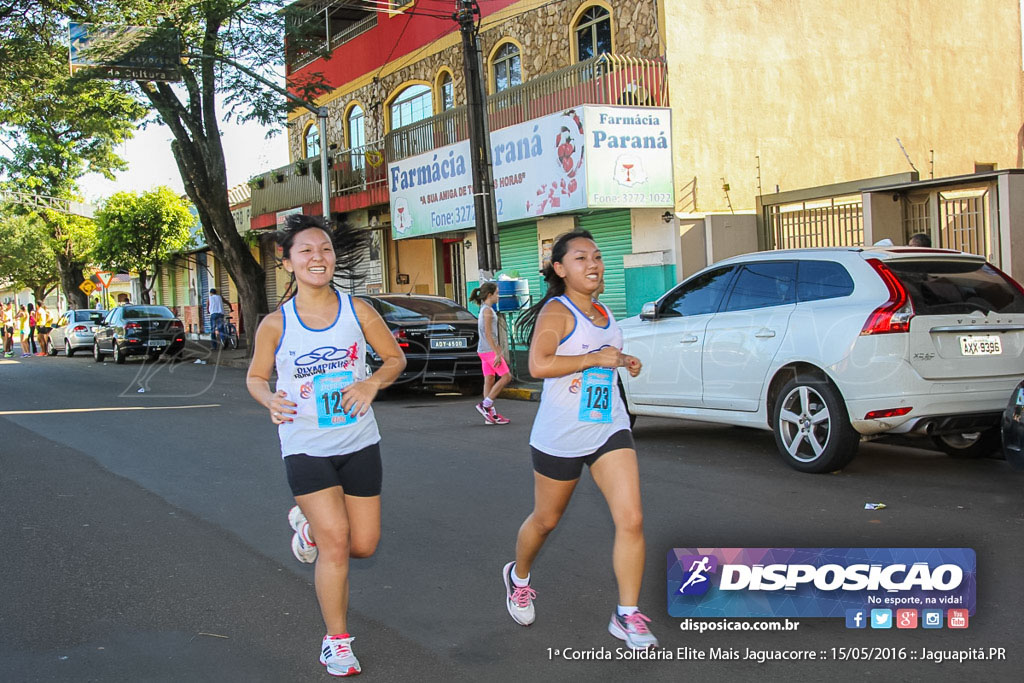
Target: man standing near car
215	307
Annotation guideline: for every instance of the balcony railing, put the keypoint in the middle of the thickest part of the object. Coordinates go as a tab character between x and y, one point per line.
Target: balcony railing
343	36
608	79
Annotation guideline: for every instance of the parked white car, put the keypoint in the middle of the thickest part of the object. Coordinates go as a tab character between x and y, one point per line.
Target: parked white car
74	331
827	347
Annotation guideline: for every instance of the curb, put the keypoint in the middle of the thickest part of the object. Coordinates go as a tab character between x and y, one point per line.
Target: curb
520	394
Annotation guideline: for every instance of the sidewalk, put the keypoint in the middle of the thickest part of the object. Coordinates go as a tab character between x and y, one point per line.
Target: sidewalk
199	350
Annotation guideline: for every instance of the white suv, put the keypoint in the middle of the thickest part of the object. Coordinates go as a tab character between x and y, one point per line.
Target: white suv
826	347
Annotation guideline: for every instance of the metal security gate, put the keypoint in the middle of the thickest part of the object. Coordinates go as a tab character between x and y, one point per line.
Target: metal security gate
613	234
831	222
204	291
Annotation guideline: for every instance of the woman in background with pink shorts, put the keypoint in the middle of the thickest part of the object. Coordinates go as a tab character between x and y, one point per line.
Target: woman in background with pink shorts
491	354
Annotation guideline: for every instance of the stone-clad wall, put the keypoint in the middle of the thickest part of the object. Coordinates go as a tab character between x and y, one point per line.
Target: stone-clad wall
544	35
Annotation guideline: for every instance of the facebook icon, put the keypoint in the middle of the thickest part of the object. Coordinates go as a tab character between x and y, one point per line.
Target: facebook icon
856	618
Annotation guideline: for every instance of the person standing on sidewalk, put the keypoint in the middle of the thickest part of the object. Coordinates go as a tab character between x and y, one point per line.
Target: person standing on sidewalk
8	328
317	341
31	320
491	354
576	345
44	323
215	307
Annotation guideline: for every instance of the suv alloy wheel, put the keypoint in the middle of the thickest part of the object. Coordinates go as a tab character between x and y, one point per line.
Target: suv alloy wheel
812	426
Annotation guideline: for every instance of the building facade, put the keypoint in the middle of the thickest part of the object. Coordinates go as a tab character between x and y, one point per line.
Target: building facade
556	75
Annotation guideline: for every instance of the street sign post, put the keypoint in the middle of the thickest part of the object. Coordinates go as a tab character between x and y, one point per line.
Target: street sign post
88	287
105	276
138	53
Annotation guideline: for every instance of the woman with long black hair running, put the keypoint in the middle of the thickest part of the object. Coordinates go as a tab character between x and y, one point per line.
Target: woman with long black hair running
575	346
317	340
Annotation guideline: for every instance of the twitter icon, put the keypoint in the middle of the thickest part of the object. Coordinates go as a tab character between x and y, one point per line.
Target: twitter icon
881	618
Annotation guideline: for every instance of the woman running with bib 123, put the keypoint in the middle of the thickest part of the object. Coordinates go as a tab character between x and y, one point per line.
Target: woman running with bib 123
329	440
496	372
575	346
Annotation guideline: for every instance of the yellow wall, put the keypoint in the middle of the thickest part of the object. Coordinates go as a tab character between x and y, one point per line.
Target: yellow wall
821	89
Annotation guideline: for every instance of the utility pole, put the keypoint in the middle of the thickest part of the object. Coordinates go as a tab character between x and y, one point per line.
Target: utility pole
485	210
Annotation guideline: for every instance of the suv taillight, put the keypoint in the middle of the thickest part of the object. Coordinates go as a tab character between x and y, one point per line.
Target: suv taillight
894	315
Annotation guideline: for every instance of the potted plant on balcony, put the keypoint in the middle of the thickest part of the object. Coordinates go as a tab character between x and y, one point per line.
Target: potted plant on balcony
301	167
257	182
277	177
316	167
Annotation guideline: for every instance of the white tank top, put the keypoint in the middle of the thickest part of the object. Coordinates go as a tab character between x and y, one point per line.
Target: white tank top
312	367
578	412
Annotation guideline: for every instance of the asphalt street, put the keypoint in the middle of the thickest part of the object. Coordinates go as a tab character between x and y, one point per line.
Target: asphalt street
144	538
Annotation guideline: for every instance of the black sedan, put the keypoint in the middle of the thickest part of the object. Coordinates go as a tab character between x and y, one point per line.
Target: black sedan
437	335
136	330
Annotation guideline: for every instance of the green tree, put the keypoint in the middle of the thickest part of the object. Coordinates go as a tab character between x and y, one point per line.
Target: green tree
226	43
55	127
28	255
139	231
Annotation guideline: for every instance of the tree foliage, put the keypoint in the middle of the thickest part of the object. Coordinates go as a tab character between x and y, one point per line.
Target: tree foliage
139	231
28	259
228	45
56	127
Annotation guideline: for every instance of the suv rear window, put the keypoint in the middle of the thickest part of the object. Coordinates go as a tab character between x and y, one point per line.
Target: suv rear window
817	280
415	310
944	287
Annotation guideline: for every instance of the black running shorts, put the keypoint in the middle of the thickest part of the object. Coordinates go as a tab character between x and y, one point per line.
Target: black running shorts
358	473
570	469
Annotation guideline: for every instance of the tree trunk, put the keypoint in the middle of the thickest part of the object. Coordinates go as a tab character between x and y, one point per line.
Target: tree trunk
199	155
70	277
143	287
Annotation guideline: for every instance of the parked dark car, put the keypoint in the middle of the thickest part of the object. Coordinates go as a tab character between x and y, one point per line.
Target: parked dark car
136	330
437	335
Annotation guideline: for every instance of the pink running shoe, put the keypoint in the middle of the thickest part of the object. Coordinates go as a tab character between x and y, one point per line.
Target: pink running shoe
497	418
486	412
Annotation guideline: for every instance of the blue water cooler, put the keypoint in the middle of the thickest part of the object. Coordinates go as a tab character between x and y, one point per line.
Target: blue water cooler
513	294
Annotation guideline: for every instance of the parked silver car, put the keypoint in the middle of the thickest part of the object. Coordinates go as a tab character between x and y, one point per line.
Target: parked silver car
74	331
827	347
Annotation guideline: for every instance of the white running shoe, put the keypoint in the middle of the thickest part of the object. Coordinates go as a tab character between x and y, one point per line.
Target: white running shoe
303	550
632	628
295	518
303	546
336	654
518	600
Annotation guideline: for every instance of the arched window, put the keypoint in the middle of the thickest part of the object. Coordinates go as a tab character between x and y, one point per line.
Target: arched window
593	33
355	128
415	103
507	71
446	90
311	141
